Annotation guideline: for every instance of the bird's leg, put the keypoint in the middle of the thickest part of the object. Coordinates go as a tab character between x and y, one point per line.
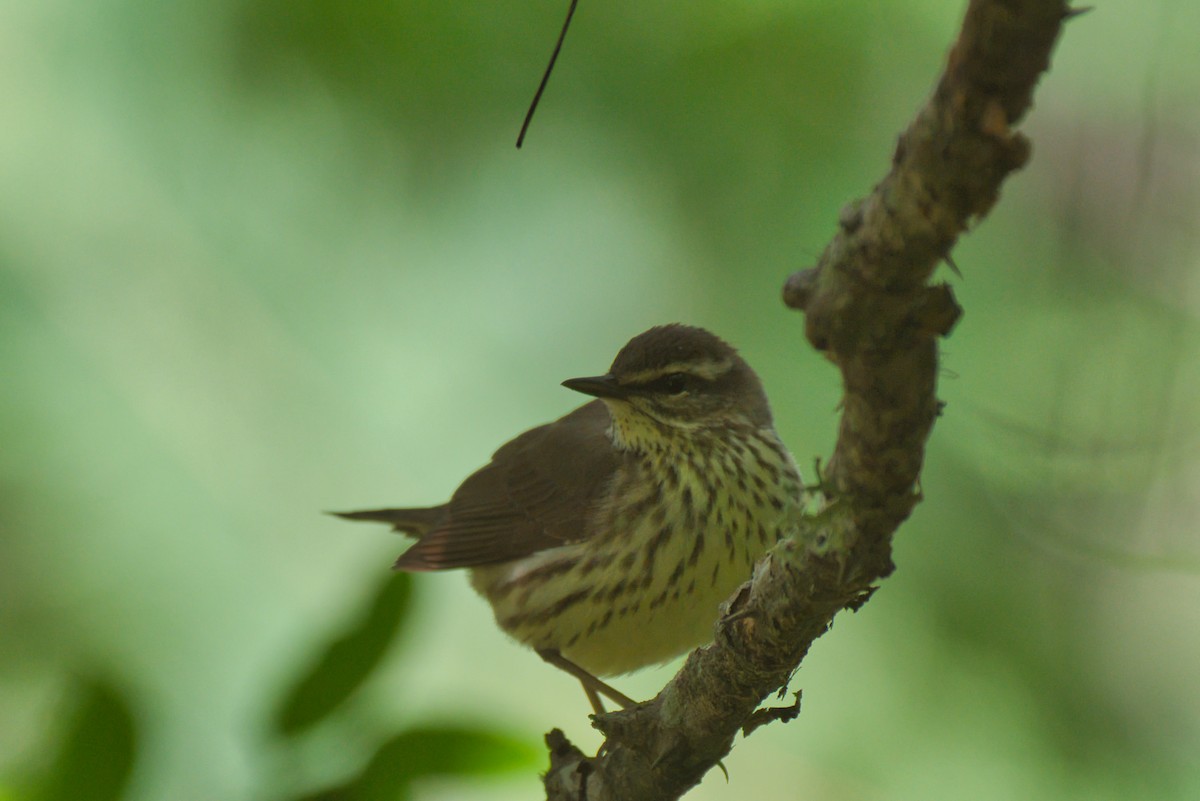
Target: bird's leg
591	685
594	699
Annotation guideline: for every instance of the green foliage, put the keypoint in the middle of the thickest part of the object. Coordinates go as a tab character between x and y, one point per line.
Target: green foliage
96	756
431	751
263	257
347	661
341	667
97	752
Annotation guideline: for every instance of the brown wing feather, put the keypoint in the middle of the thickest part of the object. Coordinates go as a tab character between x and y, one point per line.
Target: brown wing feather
413	522
535	494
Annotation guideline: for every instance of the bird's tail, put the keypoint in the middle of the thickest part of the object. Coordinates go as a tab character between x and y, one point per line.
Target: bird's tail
414	522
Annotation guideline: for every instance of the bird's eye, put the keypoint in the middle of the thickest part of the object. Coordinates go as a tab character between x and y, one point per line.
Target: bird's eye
674	384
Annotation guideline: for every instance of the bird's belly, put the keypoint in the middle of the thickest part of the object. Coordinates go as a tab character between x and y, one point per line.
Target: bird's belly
623	605
653	631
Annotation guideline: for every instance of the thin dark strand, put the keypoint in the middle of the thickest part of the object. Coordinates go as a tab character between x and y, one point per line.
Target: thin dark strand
546	75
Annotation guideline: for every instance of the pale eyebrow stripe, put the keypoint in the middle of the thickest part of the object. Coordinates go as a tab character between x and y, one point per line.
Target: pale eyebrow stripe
707	370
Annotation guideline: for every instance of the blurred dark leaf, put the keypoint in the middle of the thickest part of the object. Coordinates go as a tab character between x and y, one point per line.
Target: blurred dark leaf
432	751
335	794
347	661
97	754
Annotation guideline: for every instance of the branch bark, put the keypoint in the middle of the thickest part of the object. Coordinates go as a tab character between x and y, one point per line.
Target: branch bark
869	307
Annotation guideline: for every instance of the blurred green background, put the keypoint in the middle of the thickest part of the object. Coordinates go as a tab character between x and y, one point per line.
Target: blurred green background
263	258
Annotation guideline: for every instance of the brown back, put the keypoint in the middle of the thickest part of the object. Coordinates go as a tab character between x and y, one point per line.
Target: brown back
535	494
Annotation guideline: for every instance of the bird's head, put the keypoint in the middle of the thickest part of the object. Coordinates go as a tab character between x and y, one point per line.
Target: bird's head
681	377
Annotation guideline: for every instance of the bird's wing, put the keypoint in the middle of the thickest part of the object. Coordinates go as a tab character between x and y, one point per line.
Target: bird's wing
536	493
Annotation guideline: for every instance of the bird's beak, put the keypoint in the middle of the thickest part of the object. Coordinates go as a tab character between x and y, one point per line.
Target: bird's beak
599	386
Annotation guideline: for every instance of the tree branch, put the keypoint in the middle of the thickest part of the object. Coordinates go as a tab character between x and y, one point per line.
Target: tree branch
870	309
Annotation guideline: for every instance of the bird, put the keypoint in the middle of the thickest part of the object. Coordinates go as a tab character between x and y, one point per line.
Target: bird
607	539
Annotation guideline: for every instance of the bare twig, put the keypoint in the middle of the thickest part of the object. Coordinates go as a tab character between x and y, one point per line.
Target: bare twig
869	307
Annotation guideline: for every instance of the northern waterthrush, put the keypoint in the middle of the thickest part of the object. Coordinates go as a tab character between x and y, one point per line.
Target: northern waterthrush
607	539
